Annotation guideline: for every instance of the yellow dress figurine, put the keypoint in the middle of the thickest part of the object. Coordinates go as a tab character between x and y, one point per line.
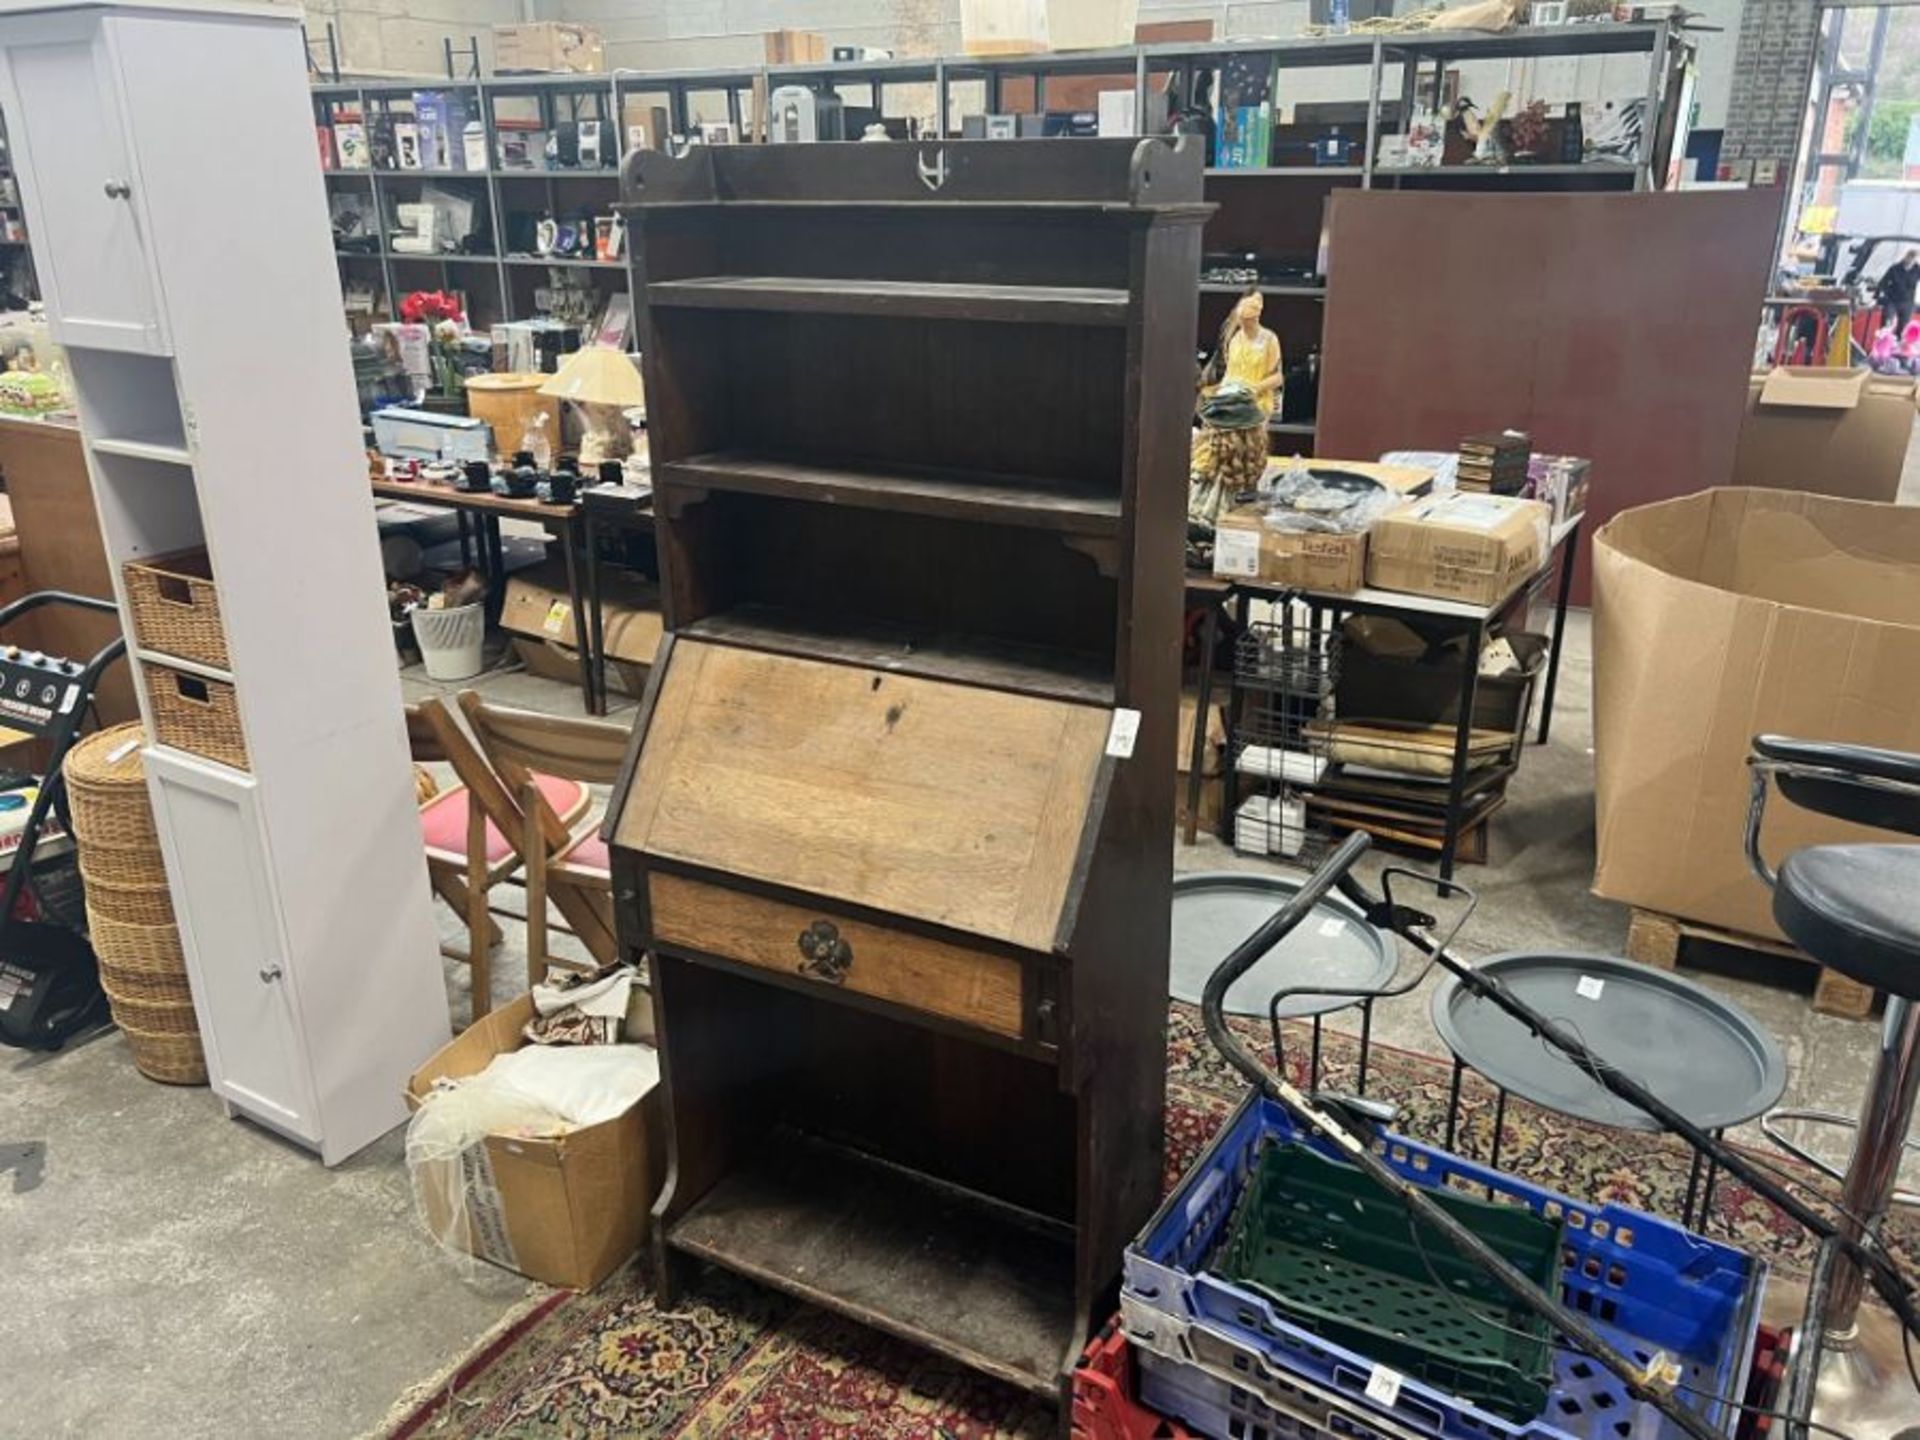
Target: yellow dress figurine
1229	455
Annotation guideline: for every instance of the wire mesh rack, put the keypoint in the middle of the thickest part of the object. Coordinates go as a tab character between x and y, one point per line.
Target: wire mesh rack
1285	669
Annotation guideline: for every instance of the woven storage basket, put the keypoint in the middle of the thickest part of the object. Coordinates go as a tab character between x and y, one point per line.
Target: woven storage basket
107	790
151	1017
176	610
128	904
136	947
146	987
170	1059
122	869
194	714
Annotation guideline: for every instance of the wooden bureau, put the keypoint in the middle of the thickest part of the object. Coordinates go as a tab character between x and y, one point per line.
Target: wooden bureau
896	827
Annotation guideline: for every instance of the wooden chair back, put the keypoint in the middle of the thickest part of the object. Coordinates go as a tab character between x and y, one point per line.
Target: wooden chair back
519	743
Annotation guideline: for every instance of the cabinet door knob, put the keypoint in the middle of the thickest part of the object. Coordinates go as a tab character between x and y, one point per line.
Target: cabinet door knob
269	972
825	955
119	190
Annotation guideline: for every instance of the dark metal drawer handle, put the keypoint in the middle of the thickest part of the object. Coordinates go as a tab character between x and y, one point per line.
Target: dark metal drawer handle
824	954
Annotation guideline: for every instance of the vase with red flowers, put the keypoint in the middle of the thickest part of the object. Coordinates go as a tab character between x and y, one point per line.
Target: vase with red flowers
446	321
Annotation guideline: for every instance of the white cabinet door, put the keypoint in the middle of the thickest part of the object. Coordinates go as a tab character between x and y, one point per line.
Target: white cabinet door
216	866
79	188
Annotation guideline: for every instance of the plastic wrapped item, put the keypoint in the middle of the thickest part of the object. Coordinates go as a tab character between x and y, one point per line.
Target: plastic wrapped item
1324	501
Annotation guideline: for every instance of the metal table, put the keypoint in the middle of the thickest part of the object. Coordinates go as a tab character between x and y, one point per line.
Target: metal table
1214	911
1713	1061
1457	617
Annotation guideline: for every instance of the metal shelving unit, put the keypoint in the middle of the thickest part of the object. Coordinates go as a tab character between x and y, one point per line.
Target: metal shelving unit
1393	65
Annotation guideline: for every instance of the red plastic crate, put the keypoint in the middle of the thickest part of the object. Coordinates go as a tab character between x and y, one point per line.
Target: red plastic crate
1103	1403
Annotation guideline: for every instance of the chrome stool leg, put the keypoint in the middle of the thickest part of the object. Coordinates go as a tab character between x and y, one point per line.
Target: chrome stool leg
1863	1390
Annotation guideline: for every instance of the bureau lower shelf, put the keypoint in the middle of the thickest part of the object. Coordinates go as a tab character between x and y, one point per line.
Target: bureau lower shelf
974	1279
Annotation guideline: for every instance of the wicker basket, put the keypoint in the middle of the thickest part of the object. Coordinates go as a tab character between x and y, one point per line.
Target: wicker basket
107	790
128	904
150	1017
176	610
171	1059
136	947
104	868
194	714
146	987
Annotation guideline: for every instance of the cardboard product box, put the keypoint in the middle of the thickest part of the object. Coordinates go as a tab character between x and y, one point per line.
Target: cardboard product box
1459	546
565	1211
547	47
1245	548
546	636
795	47
1721	616
1833	432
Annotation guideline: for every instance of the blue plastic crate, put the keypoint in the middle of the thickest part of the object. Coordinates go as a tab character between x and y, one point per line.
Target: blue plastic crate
1646	1283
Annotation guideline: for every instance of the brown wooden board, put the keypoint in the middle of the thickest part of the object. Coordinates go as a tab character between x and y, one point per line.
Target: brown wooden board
1618	327
959	806
45	475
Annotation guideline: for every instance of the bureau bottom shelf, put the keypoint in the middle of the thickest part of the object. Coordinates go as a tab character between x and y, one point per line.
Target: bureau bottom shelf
981	1282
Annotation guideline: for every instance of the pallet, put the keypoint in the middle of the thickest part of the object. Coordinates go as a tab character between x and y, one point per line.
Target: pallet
1656	939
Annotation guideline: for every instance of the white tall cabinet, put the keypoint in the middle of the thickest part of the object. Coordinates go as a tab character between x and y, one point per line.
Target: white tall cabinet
168	168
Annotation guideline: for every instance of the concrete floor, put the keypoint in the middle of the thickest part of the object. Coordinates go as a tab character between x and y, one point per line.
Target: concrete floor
174	1273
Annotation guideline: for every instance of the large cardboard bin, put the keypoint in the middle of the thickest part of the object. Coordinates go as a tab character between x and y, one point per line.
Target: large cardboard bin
1835	432
1723	615
566	1211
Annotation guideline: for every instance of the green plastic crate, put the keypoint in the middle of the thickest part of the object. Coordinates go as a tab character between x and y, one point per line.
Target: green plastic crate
1337	1255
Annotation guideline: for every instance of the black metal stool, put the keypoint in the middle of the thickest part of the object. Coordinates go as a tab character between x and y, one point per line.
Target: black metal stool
1855	909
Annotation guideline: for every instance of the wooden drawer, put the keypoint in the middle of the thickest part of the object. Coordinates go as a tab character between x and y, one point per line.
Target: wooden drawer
975	987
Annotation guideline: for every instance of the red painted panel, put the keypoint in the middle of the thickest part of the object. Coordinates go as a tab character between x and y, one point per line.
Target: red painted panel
1619	327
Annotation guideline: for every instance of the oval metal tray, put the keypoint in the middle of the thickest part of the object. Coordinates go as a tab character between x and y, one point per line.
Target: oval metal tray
1216	910
1700	1052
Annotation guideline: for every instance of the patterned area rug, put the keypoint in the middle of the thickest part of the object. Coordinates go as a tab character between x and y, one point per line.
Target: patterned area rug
737	1360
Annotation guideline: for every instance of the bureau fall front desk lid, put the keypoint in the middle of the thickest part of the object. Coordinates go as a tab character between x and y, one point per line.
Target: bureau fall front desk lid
949	803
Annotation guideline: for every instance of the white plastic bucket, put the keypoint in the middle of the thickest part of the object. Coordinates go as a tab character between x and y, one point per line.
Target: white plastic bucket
450	640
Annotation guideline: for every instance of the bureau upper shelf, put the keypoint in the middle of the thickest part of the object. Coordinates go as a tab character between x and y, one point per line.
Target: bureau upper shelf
1066	506
896	299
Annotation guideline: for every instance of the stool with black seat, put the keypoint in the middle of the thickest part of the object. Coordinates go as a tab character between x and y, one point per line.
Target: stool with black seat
1855	909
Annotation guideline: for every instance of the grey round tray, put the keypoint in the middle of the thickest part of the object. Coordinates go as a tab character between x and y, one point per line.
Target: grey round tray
1702	1054
1215	911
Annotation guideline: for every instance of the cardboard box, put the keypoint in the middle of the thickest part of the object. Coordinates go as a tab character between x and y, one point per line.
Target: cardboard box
1459	546
565	1211
1717	617
1423	687
546	634
1026	27
547	47
1245	548
1833	432
795	47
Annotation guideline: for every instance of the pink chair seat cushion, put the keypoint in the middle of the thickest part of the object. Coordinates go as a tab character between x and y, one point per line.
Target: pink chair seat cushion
589	852
443	820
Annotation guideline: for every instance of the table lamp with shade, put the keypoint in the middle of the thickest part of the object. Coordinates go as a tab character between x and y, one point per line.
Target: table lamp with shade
603	382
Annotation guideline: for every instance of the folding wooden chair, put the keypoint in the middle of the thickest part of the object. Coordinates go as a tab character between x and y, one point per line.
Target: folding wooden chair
570	870
467	850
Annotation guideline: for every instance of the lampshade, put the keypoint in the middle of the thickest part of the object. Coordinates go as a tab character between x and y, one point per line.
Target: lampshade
597	375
